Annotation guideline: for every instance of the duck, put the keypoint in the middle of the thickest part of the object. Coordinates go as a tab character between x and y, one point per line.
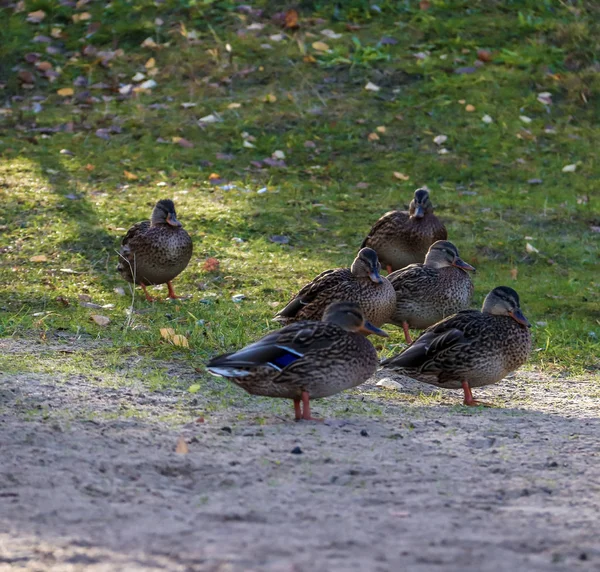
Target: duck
306	360
155	251
471	348
426	293
361	283
401	238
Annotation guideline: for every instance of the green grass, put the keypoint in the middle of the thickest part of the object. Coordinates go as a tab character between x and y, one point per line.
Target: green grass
312	106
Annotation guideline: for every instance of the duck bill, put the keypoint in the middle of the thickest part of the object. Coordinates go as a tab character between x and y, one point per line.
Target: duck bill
172	220
419	211
375	277
460	263
518	317
368	328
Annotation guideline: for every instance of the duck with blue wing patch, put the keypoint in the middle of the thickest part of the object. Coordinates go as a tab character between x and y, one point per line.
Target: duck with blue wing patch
306	359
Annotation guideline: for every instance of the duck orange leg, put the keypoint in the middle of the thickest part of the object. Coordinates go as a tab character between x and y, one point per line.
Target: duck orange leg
306	408
469	397
171	291
148	297
297	409
407	334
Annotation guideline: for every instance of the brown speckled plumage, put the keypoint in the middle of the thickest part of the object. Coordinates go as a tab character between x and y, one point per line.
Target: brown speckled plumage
472	347
315	359
361	283
402	238
155	252
427	293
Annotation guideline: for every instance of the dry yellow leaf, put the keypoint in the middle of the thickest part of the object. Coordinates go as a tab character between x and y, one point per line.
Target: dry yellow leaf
401	176
39	258
100	320
462	101
182	447
214	176
270	98
514	272
150	63
381	129
373	137
309	59
89	167
130	176
234	105
179	340
167	333
320	46
56	32
81	17
470	108
65	91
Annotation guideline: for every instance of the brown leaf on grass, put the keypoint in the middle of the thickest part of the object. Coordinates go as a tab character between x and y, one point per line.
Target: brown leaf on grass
43	66
381	129
150	63
210	264
62	300
89	167
214	176
424	5
373	137
100	320
66	91
36	17
401	176
484	55
183	142
291	19
81	17
182	447
176	339
130	176
320	46
26	77
514	272
39	258
469	108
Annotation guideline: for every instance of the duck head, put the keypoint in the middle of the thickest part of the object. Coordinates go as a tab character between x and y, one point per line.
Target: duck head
420	205
366	264
164	213
504	301
443	253
349	316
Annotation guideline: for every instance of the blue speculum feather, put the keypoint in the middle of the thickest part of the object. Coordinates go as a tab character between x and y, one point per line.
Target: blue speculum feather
285	360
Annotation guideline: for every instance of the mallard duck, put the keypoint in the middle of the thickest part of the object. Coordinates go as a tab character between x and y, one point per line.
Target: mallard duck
429	292
402	238
360	283
306	359
471	348
155	251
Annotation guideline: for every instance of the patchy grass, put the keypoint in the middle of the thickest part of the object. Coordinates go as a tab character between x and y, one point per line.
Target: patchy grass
76	170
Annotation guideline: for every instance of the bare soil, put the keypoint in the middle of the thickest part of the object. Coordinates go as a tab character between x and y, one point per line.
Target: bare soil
90	480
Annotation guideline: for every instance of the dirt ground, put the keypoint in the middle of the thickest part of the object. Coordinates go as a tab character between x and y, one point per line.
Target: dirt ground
425	484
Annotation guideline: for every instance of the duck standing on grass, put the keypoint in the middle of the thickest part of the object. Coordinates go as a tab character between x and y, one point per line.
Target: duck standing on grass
427	293
155	251
360	283
306	359
471	348
401	238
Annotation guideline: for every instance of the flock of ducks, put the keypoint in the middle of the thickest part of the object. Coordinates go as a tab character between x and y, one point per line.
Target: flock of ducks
323	349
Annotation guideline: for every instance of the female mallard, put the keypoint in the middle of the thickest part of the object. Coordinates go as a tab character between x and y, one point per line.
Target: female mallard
155	251
427	293
306	359
402	238
360	283
471	348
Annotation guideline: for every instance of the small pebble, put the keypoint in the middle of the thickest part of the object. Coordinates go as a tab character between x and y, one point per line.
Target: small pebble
363	433
296	451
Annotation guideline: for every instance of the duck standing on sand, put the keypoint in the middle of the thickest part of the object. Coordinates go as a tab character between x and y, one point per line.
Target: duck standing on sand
427	293
155	251
401	238
306	359
360	283
471	348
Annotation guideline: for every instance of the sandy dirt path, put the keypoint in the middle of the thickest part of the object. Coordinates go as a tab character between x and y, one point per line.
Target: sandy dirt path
419	486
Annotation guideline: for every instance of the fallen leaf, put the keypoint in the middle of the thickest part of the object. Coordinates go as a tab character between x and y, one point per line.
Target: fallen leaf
484	55
270	98
149	43
211	264
139	76
514	272
462	101
130	176
469	108
150	63
179	340
182	447
309	59
212	118
39	258
43	66
443	151
62	300
89	167
569	168
56	33
248	145
331	34
100	320
401	176
291	19
372	87
373	137
278	155
530	248
81	17
234	105
439	139
66	91
213	176
36	17
381	129
525	119
167	333
320	46
183	142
